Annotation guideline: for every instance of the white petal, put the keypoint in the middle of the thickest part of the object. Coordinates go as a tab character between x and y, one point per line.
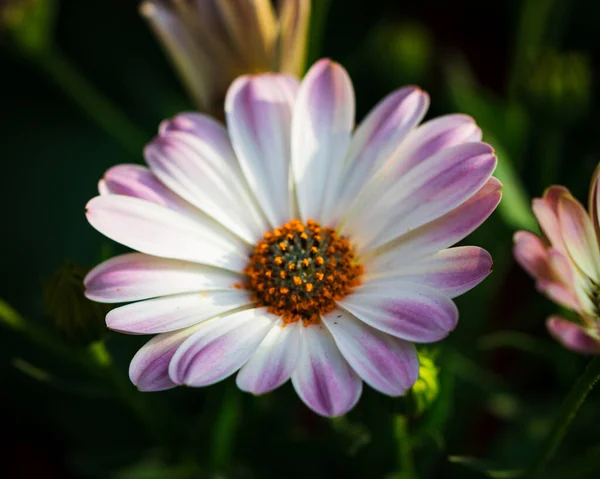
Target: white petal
321	130
322	378
135	276
158	231
259	112
274	360
220	348
386	363
169	313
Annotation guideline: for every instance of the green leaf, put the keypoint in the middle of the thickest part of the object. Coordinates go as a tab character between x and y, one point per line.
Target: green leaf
486	468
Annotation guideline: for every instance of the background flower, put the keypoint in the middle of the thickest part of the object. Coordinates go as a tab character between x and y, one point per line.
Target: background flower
211	42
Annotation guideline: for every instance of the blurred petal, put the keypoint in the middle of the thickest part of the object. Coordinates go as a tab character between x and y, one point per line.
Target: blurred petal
386	363
594	201
451	272
408	311
572	336
294	20
259	112
194	158
169	313
322	378
135	276
436	235
376	138
321	130
158	231
220	348
274	361
531	253
579	236
546	212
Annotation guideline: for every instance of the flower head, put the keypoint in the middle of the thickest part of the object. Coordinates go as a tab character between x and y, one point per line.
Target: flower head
211	42
291	246
566	263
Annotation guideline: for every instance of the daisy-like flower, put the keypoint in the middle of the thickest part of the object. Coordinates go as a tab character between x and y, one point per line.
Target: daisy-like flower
212	42
291	246
566	263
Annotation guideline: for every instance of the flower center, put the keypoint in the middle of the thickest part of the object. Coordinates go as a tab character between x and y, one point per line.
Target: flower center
299	271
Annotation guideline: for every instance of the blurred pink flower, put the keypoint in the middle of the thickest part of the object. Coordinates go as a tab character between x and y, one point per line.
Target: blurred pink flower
211	42
566	263
291	245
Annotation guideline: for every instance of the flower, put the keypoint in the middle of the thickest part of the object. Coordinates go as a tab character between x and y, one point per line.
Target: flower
212	42
566	263
289	246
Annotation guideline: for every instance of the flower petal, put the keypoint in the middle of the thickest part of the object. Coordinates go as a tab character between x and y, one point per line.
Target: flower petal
572	335
431	189
376	138
322	125
579	236
135	276
170	313
274	361
322	378
259	112
435	235
221	347
294	21
532	254
158	231
149	368
408	311
452	271
388	364
194	158
546	212
432	137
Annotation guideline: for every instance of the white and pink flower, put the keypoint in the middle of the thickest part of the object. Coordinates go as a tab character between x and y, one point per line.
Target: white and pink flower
292	245
566	263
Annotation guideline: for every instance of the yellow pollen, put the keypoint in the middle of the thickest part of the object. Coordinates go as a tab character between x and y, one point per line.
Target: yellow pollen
314	254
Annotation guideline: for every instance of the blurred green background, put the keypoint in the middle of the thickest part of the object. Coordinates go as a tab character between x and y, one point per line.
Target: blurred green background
527	70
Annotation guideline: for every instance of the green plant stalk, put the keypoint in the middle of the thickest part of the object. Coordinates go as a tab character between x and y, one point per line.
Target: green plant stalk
75	86
406	465
563	418
224	430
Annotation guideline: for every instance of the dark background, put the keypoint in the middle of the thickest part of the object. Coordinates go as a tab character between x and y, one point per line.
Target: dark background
499	61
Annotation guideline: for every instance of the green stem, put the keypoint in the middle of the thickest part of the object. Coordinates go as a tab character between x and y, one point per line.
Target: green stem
74	85
406	465
565	415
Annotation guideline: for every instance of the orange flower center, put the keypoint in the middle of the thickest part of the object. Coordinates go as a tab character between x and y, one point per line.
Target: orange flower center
299	271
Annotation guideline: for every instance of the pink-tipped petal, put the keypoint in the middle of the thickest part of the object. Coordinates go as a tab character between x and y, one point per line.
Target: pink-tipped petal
594	201
136	276
220	348
139	182
322	378
169	313
546	212
532	254
388	364
149	368
436	235
158	231
432	137
194	158
322	125
572	336
408	311
376	138
579	236
428	191
274	360
452	271
259	115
